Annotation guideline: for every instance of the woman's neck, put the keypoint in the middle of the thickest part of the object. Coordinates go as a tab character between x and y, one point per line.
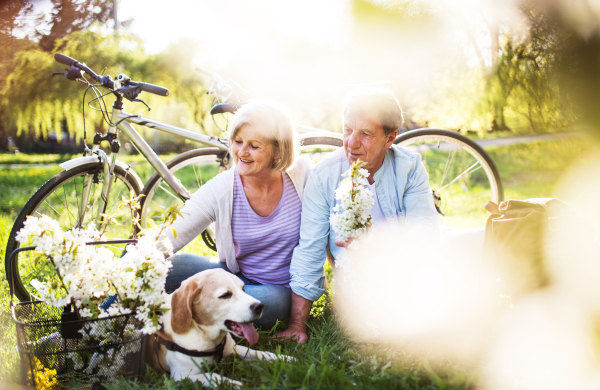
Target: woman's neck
262	183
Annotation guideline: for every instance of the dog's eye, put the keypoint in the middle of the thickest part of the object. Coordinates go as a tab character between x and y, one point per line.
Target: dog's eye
227	295
244	288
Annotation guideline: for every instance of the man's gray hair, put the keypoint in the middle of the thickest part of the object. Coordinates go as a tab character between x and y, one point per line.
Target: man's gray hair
380	102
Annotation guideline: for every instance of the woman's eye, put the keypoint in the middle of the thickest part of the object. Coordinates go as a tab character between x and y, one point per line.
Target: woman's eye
237	141
254	147
227	295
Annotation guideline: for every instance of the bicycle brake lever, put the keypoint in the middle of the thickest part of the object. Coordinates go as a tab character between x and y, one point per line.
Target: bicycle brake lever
59	73
141	101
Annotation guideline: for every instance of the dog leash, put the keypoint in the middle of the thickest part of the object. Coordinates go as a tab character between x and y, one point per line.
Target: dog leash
217	351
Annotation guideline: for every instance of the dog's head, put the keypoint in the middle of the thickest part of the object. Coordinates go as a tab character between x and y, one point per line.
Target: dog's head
215	297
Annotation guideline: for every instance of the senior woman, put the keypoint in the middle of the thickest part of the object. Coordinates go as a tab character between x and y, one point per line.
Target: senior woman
256	208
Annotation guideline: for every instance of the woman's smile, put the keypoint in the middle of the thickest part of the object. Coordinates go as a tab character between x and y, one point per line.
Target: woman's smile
253	152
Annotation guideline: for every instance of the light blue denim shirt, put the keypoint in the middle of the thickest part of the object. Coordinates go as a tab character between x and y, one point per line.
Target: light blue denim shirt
402	186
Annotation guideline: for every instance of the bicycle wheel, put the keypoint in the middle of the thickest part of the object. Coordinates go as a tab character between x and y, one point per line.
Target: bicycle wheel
462	175
193	169
60	198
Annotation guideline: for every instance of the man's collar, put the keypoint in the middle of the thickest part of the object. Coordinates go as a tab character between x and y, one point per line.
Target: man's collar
384	167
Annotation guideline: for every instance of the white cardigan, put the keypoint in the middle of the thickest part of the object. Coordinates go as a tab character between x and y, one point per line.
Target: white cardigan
213	202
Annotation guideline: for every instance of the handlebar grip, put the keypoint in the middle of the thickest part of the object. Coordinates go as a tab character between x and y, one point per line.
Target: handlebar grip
63	59
155	89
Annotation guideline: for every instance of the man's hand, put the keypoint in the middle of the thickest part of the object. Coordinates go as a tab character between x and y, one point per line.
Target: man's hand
293	333
299	312
344	244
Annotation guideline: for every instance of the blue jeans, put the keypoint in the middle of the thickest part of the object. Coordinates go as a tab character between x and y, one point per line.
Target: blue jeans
277	299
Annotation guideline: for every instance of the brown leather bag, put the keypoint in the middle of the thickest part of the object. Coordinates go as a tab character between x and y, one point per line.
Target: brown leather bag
516	236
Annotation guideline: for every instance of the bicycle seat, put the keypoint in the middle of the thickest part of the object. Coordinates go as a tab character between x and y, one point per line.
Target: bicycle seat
222	108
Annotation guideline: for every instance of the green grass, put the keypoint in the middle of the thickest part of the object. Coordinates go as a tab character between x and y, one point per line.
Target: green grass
331	359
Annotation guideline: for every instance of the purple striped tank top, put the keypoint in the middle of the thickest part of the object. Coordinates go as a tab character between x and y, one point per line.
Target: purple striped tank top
264	245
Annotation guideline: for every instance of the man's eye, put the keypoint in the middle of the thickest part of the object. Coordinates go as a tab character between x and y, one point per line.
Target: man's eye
227	295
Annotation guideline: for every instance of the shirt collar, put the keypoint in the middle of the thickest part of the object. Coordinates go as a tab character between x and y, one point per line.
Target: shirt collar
384	167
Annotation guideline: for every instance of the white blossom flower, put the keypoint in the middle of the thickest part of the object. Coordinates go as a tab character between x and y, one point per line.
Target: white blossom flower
352	215
90	274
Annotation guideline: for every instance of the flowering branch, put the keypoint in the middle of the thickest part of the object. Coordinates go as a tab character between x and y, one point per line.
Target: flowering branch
351	218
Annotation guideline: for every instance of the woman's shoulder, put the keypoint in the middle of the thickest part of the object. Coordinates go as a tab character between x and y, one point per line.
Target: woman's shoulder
301	168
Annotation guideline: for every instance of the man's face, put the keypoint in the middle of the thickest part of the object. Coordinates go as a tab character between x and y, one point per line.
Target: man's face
365	139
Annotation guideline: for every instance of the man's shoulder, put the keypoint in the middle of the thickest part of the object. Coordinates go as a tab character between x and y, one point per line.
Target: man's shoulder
404	154
333	160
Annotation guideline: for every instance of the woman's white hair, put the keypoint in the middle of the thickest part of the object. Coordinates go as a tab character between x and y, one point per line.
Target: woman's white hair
275	123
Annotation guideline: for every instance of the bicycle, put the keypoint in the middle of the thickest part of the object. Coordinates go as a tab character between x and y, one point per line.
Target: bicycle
92	187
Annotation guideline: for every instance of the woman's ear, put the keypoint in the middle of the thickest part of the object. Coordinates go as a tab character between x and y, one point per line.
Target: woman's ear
181	305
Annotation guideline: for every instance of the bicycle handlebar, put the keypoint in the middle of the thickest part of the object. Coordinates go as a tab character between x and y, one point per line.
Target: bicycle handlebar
155	89
63	59
107	81
224	92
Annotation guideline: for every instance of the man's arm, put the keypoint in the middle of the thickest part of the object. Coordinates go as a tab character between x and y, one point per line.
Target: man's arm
306	268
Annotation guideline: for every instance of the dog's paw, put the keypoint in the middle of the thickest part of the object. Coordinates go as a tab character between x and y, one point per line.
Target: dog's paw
288	359
272	356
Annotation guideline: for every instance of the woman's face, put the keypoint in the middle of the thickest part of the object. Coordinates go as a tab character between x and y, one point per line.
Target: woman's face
252	152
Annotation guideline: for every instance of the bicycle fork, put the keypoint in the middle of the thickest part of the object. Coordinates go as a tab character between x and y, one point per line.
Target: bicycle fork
108	178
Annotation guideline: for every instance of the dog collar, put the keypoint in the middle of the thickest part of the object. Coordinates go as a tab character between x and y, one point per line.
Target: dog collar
217	351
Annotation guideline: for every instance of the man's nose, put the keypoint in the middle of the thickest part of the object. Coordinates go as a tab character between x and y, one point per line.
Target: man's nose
353	141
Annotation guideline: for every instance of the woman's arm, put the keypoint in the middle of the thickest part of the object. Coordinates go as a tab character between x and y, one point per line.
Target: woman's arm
198	212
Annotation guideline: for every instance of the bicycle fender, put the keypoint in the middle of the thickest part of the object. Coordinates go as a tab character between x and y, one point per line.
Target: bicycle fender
319	133
67	165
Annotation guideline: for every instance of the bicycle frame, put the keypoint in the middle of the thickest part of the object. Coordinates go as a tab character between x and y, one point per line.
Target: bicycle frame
124	120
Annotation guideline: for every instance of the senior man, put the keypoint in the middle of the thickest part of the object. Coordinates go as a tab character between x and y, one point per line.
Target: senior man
371	120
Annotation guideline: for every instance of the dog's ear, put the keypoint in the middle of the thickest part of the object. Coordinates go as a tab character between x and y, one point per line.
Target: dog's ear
181	305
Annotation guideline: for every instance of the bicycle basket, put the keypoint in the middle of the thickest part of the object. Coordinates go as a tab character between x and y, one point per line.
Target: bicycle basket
59	352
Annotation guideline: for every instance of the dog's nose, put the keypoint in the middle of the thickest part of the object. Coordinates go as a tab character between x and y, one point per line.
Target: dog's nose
257	307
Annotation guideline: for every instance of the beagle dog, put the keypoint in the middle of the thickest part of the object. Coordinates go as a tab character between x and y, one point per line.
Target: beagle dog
205	311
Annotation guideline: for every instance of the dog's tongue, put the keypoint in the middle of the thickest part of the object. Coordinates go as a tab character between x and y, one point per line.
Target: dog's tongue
249	332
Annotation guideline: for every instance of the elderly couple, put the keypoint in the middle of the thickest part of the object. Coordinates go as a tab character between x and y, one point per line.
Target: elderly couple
272	210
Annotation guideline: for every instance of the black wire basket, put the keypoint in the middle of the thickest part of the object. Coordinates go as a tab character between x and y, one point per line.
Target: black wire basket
59	350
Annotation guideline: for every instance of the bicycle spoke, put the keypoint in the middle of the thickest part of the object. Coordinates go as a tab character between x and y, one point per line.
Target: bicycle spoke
168	192
480	194
449	160
118	196
65	203
196	174
468	170
77	197
65	206
49	205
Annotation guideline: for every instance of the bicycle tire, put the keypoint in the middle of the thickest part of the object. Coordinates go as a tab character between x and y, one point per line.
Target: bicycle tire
40	202
433	143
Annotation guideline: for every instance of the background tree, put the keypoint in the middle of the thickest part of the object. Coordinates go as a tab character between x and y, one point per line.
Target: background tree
68	16
36	104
